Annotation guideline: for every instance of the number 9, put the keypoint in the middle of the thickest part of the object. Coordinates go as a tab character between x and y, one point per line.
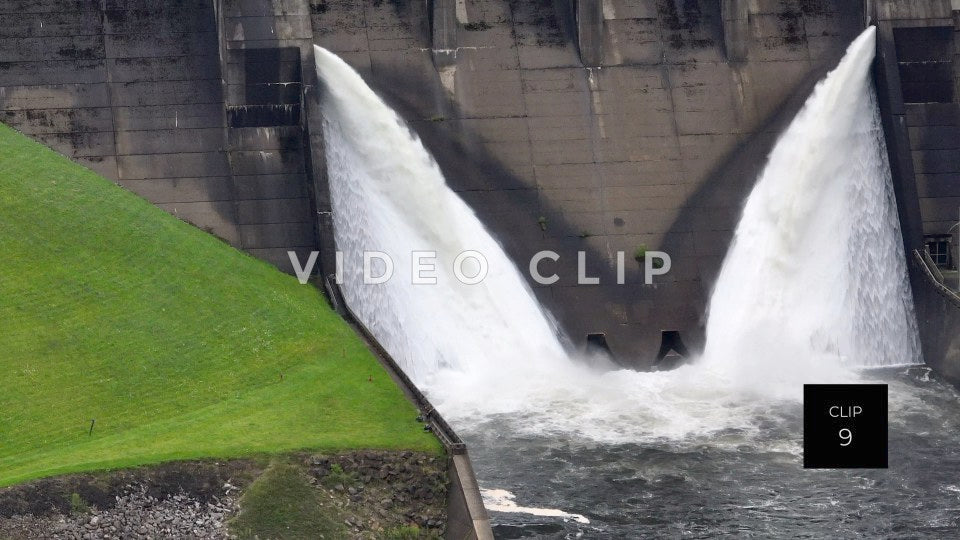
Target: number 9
846	435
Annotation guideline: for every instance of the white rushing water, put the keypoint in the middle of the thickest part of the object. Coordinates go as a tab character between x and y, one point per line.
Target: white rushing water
814	284
389	195
816	275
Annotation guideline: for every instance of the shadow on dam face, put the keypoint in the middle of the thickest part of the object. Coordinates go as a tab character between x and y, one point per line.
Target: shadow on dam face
468	169
739	170
630	316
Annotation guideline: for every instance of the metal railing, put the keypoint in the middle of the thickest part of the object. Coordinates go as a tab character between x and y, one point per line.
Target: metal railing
945	291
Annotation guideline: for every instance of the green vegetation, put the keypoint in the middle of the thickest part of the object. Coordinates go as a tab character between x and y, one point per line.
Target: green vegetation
338	476
640	254
283	504
407	532
178	345
542	221
77	504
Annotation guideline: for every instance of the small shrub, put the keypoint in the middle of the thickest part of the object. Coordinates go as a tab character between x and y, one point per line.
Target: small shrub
78	505
640	254
281	503
542	221
338	476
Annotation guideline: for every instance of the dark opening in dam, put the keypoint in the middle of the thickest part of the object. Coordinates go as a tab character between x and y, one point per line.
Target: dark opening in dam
271	91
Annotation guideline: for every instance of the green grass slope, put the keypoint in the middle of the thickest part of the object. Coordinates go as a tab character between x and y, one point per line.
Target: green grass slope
177	344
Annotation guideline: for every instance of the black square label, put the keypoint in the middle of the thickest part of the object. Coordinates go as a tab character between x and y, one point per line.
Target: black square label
845	426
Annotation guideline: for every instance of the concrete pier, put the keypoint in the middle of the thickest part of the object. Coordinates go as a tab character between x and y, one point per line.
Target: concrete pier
589	17
917	76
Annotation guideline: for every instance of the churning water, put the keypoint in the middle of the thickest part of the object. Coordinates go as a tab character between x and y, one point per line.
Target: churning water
563	446
737	482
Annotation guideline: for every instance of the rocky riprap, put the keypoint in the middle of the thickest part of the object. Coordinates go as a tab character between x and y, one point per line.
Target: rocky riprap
373	493
382	489
136	515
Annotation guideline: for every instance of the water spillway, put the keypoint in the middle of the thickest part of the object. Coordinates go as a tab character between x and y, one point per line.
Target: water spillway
388	195
816	273
814	282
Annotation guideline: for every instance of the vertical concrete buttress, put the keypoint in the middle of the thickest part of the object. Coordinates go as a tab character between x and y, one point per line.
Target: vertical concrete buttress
914	112
313	126
443	28
890	100
736	29
589	15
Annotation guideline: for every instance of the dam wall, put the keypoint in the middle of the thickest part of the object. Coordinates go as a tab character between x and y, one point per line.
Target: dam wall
600	126
918	87
567	126
938	313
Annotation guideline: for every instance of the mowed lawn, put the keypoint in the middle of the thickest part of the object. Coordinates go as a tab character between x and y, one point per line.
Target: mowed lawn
178	345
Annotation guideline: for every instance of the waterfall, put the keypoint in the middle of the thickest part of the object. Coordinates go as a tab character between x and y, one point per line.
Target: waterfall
816	273
389	195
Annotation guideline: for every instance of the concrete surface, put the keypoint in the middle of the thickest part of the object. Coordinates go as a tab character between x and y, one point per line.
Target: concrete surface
618	123
939	317
136	91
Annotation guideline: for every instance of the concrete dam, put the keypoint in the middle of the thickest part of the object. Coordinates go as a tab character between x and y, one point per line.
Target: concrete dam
565	125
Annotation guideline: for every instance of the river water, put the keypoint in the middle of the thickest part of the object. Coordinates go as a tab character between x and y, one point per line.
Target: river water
733	481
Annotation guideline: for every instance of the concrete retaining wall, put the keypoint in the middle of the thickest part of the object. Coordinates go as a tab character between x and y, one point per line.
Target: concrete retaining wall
467	518
939	317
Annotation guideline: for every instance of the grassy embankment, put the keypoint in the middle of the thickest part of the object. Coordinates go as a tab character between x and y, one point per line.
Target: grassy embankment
178	345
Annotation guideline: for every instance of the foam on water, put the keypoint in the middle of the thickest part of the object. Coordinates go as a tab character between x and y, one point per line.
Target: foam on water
813	285
500	500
